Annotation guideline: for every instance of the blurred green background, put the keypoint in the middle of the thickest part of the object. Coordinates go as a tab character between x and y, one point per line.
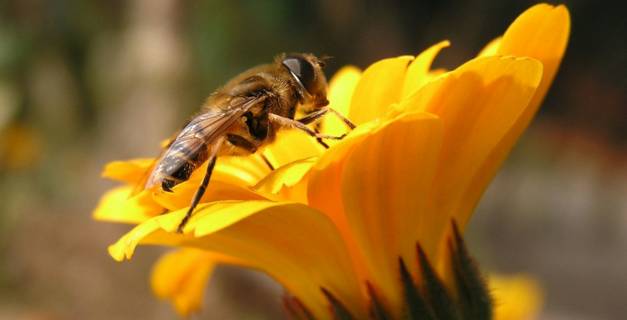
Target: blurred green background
86	82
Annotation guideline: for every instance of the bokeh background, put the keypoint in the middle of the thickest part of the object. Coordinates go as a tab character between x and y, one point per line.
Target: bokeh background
86	82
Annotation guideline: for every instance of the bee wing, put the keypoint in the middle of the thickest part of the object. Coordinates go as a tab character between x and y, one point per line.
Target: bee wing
139	185
200	132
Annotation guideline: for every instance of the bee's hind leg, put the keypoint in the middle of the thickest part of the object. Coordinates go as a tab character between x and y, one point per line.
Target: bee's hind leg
243	143
198	195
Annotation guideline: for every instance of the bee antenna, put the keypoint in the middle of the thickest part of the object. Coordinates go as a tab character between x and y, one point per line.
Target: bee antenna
323	59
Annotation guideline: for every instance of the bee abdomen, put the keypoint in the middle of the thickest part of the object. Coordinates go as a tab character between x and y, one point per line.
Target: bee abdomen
183	172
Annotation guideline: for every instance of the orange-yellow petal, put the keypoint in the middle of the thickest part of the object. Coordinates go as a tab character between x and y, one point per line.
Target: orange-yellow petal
182	194
232	178
129	171
286	183
541	32
491	49
238	170
119	205
324	188
246	170
291	145
385	186
341	88
378	88
418	71
293	243
181	277
478	104
515	297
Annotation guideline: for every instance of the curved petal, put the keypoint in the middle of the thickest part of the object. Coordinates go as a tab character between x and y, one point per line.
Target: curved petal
541	32
181	277
286	183
293	243
119	205
492	48
246	170
182	194
385	186
418	71
324	189
341	88
378	88
291	145
129	171
478	103
229	181
239	170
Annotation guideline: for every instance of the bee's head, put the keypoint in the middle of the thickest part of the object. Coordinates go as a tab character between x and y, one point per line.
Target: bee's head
306	69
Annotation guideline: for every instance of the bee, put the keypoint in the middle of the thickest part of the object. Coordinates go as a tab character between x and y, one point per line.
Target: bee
244	115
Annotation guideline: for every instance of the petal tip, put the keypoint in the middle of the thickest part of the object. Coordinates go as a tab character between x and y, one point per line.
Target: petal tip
116	253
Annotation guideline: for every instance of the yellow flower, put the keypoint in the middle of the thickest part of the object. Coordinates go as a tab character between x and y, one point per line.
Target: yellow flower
517	297
332	225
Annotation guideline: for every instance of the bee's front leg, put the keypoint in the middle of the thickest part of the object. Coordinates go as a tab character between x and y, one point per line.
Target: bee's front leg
316	115
291	123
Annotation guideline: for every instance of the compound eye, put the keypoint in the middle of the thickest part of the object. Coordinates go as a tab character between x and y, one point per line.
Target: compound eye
302	70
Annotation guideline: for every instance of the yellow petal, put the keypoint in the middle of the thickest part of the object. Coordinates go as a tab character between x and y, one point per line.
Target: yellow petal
181	277
229	180
238	170
247	170
130	171
541	33
293	243
182	194
515	297
380	86
418	71
491	49
479	103
286	183
385	187
291	145
119	205
341	88
324	188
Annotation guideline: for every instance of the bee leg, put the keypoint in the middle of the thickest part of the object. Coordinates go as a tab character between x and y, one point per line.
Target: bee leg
346	121
241	142
199	193
316	115
313	117
319	140
291	123
245	144
267	161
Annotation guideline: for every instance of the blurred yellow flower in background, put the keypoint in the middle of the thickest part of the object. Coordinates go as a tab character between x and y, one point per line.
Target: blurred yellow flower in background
20	147
515	297
345	219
